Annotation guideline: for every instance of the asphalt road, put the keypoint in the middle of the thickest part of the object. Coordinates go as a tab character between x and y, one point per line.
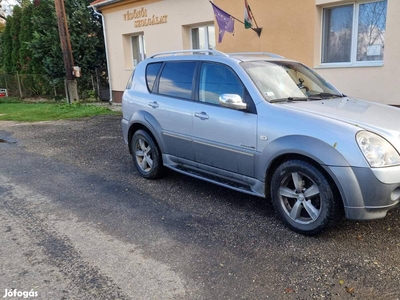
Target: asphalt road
77	222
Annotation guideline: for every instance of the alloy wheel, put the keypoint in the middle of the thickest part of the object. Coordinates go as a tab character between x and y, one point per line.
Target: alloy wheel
300	198
143	155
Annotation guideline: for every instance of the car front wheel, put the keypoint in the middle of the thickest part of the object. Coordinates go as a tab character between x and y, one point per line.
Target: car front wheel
303	197
146	156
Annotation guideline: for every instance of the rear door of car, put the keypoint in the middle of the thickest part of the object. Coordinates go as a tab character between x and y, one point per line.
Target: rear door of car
224	138
171	104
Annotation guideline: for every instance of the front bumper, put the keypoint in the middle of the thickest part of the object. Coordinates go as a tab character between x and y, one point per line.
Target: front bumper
367	193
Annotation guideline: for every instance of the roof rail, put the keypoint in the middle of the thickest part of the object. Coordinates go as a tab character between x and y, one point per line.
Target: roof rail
193	51
257	53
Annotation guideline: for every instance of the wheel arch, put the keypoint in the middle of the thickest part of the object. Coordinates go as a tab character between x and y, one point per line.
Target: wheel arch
312	215
294	156
145	121
316	152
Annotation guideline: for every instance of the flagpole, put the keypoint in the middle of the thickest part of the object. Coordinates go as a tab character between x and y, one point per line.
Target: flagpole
237	19
257	29
252	15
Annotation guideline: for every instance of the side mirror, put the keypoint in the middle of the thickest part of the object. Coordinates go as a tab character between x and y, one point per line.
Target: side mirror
232	101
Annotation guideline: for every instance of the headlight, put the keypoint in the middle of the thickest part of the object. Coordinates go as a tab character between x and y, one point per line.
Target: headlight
377	151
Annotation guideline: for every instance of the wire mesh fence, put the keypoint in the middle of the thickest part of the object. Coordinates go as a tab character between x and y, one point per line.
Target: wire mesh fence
37	85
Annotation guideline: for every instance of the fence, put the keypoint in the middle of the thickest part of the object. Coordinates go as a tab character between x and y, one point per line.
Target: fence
36	85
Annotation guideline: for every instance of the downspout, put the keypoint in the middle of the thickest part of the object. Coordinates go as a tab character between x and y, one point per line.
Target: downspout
106	47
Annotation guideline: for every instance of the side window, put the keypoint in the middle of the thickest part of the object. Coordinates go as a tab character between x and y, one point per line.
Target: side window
176	79
151	74
216	80
130	81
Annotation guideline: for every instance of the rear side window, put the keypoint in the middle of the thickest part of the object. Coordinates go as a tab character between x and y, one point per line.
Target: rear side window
129	84
151	74
177	78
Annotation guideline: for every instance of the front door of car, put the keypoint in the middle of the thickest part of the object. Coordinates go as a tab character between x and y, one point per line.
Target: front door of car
223	137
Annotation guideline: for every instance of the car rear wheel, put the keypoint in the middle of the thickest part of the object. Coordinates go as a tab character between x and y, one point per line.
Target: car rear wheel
303	197
146	156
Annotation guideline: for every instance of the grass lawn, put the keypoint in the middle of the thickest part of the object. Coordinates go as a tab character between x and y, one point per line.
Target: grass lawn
13	109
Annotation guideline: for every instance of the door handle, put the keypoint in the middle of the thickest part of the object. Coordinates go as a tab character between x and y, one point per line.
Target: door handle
153	104
202	115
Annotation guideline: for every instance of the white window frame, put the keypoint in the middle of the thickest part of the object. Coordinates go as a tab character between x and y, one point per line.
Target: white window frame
353	54
142	49
206	35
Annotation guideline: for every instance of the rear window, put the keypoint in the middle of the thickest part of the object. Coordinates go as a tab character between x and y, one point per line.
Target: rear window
151	74
177	78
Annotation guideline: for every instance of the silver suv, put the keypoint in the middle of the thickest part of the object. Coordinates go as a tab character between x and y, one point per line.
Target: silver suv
266	126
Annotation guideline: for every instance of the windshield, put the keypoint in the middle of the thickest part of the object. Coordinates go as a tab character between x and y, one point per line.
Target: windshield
278	80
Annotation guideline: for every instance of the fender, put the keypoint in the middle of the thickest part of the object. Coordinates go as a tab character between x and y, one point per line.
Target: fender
318	151
315	149
145	119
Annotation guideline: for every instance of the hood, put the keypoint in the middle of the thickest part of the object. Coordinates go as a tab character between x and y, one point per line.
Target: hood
365	114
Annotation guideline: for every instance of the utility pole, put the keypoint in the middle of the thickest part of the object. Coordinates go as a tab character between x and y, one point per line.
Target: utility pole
71	87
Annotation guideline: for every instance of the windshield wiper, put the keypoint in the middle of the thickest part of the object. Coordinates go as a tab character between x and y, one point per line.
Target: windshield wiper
319	96
289	99
325	95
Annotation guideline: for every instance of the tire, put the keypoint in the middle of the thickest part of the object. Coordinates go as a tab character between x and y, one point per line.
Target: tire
146	156
303	197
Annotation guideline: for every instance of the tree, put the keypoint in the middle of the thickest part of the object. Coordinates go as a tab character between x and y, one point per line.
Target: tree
7	46
25	35
2	28
14	31
45	43
31	44
86	35
86	38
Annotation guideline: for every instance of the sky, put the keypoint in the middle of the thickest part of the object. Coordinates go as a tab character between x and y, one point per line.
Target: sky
7	5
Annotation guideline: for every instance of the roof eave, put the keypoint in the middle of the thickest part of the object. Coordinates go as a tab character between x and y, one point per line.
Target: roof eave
103	3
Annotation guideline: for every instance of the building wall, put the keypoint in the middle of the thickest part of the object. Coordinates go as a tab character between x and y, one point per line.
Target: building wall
294	29
173	34
287	28
380	83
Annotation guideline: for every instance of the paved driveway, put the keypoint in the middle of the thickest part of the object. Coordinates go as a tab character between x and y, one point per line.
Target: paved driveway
77	222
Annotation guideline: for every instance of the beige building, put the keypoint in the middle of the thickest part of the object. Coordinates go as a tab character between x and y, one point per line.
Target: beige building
353	44
136	29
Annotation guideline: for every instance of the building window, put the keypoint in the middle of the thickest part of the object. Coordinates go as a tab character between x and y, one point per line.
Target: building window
138	49
203	37
354	33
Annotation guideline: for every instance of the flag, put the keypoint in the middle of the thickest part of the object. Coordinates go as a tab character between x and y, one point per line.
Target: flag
224	21
248	20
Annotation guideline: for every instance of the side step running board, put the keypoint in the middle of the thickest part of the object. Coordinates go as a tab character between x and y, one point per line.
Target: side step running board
206	176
